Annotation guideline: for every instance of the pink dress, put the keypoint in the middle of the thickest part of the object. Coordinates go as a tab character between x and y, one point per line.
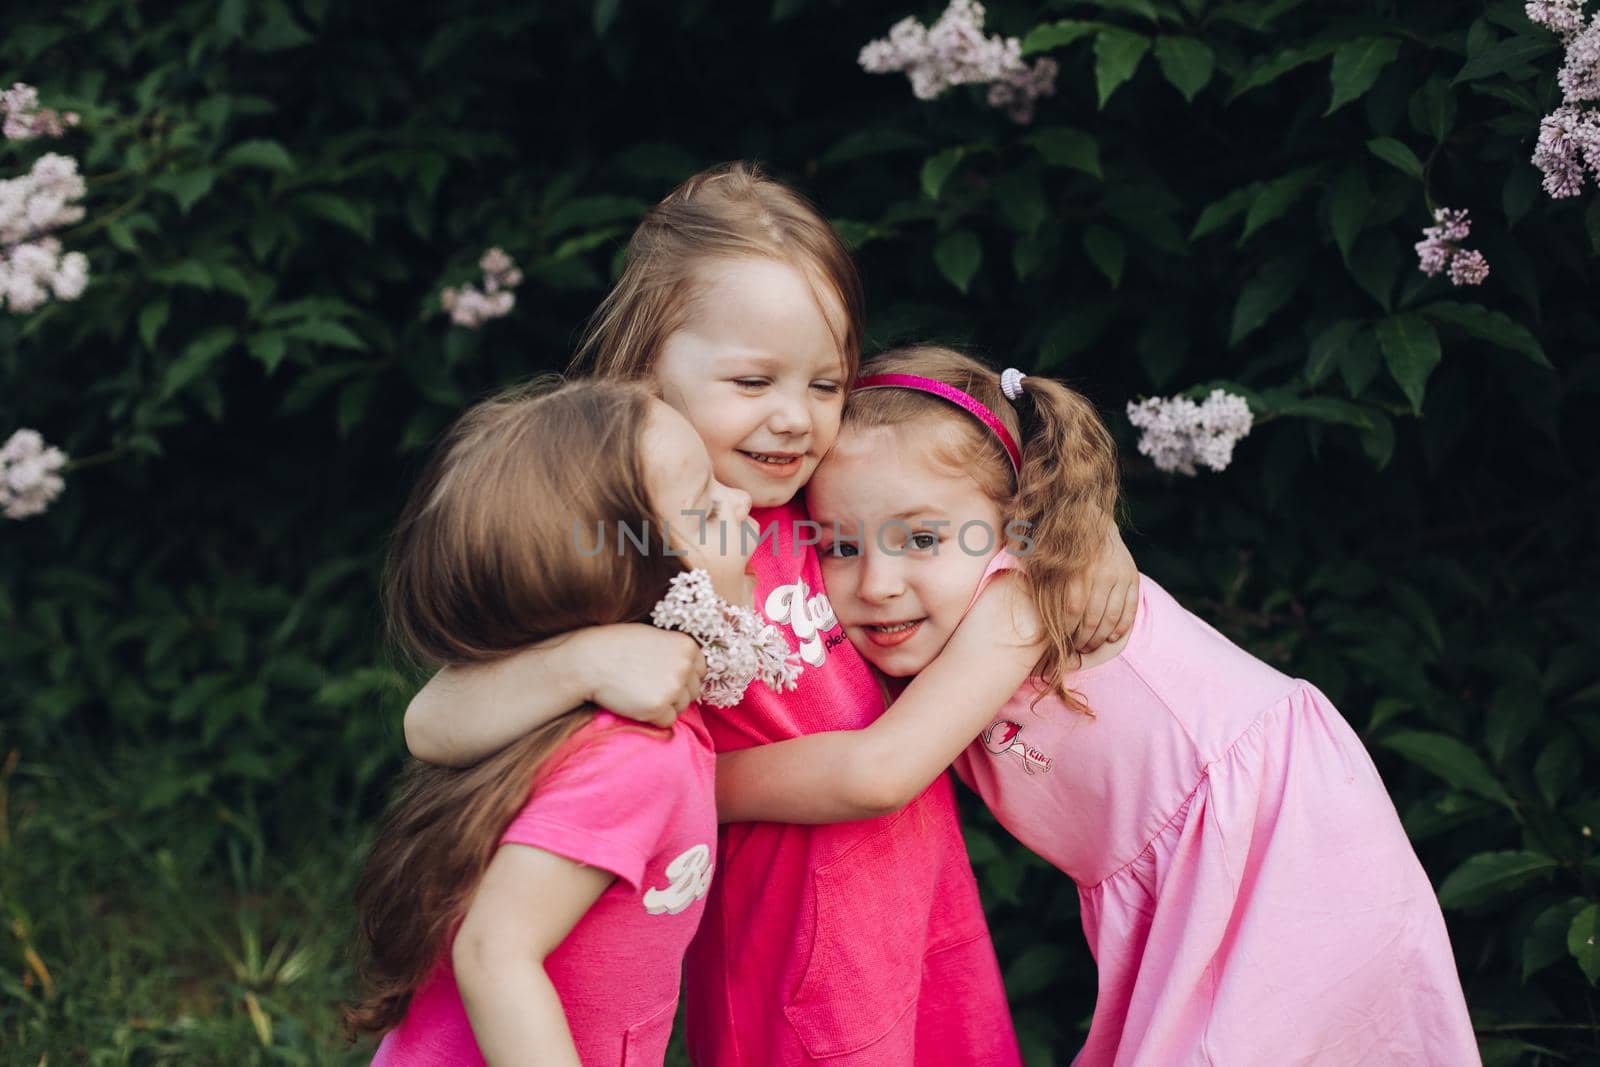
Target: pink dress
641	804
855	945
1247	890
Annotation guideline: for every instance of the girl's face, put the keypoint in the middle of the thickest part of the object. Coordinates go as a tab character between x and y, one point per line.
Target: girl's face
904	543
707	518
759	374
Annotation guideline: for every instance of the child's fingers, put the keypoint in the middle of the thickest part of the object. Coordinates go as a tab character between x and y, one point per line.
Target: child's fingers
1109	616
1089	636
1128	610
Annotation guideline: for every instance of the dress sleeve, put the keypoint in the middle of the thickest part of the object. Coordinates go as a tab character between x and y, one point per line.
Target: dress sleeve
609	801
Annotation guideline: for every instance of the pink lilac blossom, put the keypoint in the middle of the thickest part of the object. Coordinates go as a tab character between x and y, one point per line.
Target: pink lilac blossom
1440	249
1176	433
30	475
472	307
24	119
955	51
32	266
1568	150
739	646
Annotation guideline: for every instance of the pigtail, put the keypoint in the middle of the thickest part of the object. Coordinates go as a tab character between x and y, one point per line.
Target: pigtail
1067	495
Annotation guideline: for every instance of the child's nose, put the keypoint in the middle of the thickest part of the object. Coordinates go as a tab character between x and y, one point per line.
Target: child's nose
880	578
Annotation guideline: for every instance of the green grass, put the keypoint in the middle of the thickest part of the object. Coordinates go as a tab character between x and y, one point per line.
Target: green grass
140	932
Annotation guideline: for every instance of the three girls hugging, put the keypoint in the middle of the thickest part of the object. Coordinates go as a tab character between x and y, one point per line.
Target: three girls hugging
552	868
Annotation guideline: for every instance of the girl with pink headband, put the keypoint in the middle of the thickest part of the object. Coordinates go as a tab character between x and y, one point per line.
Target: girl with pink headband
1245	884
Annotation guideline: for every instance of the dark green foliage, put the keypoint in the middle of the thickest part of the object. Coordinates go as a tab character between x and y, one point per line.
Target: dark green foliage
1219	193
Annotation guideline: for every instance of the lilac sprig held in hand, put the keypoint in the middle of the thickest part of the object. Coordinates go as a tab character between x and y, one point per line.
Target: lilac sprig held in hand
738	646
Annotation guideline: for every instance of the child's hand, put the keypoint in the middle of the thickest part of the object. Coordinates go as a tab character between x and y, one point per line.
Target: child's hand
1106	593
641	672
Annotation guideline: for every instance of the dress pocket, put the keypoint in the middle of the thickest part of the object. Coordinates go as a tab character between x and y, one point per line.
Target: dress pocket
644	1044
873	906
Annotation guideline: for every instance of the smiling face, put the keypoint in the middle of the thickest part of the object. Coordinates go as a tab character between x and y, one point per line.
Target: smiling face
913	539
758	371
707	518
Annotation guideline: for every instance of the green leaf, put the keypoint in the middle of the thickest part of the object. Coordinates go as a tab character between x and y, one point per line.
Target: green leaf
327	332
1020	198
187	272
1411	352
1107	251
196	358
1327	348
1327	409
1260	298
1219	213
1275	198
1581	939
1378	442
1276	67
1396	154
1546	941
958	255
187	187
938	168
605	13
1506	55
1348	207
280	31
1451	760
151	319
261	154
230	19
1497	328
1050	35
269	348
1117	53
1036	968
1186	62
1356	66
1062	146
1558	768
337	210
1491	875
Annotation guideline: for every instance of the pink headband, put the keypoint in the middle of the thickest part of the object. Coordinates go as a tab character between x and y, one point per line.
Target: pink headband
965	401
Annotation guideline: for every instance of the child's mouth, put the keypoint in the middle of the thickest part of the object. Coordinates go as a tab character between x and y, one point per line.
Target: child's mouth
775	464
887	635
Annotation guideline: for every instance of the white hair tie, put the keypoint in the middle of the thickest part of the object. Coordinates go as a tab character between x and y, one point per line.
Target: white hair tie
1011	383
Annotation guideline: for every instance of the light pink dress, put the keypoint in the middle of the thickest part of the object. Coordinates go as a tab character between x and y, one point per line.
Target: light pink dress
1247	890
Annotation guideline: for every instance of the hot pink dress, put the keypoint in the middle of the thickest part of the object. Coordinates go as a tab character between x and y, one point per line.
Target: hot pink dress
855	945
639	803
1247	890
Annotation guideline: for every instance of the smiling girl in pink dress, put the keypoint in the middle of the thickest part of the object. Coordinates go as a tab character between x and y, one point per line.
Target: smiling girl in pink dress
1247	890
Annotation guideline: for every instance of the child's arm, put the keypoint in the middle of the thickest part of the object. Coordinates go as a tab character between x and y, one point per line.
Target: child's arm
857	774
527	903
468	712
1106	594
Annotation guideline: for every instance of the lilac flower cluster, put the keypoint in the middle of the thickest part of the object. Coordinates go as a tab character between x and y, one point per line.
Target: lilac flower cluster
739	646
955	51
1176	433
30	475
472	307
1440	249
1568	149
32	265
24	119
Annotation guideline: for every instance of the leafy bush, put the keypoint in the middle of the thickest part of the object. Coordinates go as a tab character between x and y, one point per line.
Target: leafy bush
1218	194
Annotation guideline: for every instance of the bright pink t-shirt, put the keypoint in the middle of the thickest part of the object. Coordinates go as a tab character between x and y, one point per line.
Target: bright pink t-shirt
637	802
860	944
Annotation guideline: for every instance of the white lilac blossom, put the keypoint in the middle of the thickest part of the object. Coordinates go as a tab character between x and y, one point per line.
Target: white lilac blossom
32	265
1440	249
955	51
30	475
1568	150
23	118
1176	433
472	307
738	646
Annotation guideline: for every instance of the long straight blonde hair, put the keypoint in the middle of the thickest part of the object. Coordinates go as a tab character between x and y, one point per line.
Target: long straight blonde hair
732	211
486	560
